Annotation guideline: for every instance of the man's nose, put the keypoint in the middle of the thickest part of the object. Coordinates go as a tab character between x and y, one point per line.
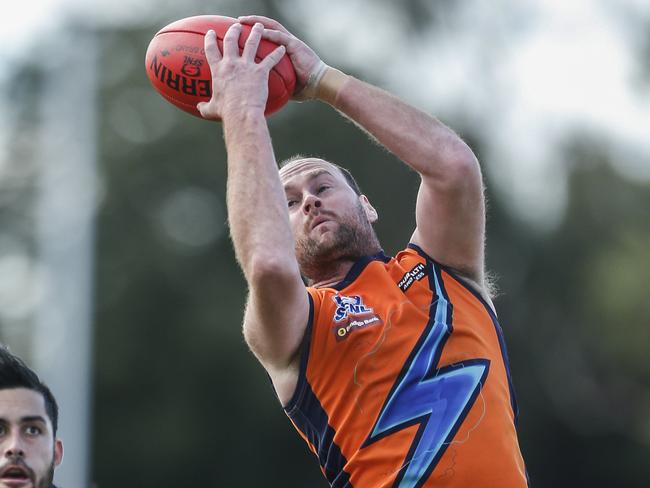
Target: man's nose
13	447
310	203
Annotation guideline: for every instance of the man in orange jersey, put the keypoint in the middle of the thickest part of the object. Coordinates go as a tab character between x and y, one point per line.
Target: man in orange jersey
393	369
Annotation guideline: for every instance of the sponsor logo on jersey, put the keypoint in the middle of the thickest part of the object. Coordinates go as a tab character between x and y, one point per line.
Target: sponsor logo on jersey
410	277
351	315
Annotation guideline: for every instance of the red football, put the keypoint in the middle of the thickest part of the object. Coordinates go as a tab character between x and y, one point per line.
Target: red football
178	70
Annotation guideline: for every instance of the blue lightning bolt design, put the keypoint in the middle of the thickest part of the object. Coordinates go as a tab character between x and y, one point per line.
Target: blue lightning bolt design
437	399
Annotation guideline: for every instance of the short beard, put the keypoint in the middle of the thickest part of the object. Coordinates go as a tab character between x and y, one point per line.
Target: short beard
48	480
352	240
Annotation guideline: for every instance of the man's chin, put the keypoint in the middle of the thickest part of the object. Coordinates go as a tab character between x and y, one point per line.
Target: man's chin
324	233
18	483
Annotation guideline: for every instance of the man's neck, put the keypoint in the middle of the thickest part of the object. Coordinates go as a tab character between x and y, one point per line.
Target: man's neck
330	275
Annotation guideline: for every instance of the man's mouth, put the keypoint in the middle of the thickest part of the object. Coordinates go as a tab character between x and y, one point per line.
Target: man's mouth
15	476
318	220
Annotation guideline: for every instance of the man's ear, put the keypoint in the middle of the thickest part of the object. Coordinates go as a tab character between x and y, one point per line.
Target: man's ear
58	452
371	213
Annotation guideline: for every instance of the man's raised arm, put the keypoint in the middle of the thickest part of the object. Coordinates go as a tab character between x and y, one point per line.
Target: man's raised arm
278	308
450	211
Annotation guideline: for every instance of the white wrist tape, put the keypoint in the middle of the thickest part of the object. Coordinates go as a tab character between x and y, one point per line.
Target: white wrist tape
310	90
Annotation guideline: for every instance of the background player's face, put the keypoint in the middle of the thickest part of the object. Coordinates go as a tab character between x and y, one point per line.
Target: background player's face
27	445
329	220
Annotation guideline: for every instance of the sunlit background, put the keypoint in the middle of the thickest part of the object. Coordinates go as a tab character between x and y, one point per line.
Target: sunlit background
118	281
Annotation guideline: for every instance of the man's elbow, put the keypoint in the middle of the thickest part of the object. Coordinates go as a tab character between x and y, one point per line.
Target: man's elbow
457	167
272	270
461	161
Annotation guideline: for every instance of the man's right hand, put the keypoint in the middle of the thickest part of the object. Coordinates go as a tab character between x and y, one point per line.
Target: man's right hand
238	82
308	66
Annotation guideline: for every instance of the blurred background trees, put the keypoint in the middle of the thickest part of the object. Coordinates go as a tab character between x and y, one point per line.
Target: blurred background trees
177	398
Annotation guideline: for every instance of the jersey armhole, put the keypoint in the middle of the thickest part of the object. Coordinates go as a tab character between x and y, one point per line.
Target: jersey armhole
465	282
495	321
296	398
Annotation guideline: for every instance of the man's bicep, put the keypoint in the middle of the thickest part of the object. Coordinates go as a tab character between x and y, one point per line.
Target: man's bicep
275	322
450	223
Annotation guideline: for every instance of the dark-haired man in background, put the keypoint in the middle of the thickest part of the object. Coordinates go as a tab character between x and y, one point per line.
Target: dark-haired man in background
28	423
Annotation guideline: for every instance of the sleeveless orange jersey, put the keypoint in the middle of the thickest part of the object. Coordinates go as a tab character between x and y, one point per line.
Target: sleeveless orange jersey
404	381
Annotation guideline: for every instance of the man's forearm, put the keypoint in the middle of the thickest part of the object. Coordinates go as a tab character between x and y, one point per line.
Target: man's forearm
418	139
257	212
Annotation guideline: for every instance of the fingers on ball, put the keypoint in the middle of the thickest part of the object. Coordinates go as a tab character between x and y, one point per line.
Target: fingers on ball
231	40
253	42
274	57
212	53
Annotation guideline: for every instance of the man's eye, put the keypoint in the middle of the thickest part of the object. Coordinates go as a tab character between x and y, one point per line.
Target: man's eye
322	188
291	203
33	430
3	430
